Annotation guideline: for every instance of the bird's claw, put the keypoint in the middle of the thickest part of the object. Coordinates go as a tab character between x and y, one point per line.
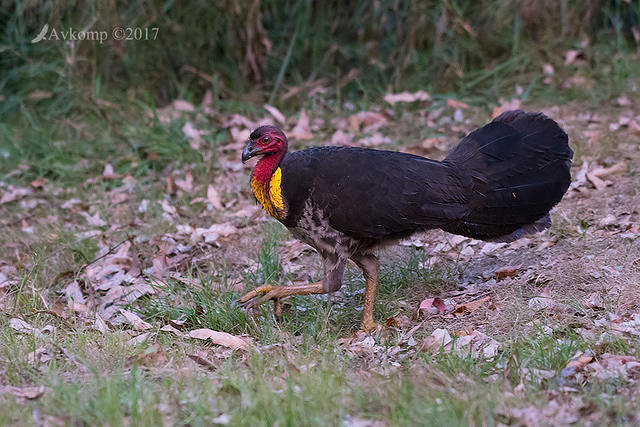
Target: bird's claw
259	295
369	328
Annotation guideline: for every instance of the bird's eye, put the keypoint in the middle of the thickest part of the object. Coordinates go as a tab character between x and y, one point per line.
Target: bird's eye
265	140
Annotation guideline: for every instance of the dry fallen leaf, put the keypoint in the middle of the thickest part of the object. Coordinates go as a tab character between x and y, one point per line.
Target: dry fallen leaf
302	130
438	338
593	301
580	362
100	325
37	95
366	121
341	138
597	182
471	306
14	193
420	95
186	183
514	104
151	356
39	355
506	271
624	101
239	135
20	326
94	220
275	113
29	393
570	56
135	320
169	328
202	361
220	338
453	103
108	171
182	105
432	305
140	339
618	168
39	182
541	303
213	197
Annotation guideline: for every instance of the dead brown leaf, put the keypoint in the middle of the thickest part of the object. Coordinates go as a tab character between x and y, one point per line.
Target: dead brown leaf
182	105
570	56
202	361
220	338
186	183
624	101
213	197
341	138
616	169
506	271
152	356
29	393
39	182
170	328
277	114
514	104
580	362
14	193
135	320
302	129
366	121
432	306
438	338
393	98
470	307
453	103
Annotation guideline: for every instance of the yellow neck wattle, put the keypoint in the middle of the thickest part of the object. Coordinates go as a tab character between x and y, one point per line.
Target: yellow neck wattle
270	196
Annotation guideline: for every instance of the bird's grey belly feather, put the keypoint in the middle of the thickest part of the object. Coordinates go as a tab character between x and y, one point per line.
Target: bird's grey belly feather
314	229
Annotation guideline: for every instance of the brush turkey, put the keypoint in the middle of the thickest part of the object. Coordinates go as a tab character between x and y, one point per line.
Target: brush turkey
498	184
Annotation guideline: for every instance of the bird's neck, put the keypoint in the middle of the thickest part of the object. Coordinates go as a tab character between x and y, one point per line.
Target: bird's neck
265	184
265	167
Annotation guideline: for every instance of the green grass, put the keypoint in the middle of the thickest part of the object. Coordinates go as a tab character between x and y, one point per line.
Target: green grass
316	384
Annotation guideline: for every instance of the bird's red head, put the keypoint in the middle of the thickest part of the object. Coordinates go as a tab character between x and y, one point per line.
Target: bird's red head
266	141
270	143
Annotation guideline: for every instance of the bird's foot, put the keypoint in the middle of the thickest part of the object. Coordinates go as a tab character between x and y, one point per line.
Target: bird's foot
369	328
270	292
259	295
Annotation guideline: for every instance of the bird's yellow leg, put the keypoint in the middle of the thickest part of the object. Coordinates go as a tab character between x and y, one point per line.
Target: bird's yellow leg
368	325
267	292
369	265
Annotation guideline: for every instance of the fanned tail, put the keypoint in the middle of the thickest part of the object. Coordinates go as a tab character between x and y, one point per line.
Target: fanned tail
520	168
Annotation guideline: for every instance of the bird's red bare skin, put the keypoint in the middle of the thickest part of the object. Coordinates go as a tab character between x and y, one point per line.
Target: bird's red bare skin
273	152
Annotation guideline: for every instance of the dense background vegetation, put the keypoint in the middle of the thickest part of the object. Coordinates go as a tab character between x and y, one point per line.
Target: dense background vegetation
285	51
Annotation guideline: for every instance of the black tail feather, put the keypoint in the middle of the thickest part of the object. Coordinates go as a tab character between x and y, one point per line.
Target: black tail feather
519	165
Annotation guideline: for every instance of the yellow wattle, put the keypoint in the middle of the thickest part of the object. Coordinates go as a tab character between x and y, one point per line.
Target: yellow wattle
275	192
271	199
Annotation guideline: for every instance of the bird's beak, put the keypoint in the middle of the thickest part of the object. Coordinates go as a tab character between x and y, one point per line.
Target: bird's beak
249	151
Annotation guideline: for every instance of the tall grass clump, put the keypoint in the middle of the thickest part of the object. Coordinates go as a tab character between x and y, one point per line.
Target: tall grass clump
284	49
